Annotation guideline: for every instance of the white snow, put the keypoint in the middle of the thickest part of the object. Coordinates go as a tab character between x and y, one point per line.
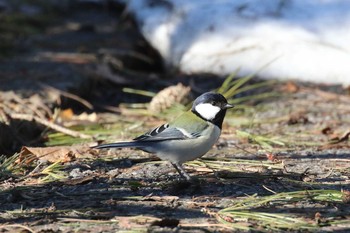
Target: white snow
308	40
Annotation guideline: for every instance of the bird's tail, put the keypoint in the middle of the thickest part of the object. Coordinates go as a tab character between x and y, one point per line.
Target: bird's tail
119	145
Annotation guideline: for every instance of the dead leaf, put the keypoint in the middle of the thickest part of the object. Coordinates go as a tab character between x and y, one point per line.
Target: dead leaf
343	138
67	114
318	217
68	119
298	118
227	218
290	87
52	154
271	157
86	117
346	196
327	130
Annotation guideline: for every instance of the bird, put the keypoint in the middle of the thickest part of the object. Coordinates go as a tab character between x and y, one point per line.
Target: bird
188	137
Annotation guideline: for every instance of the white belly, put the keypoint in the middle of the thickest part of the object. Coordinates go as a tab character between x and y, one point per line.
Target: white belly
179	151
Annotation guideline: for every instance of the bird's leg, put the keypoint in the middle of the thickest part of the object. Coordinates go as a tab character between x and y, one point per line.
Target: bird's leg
181	171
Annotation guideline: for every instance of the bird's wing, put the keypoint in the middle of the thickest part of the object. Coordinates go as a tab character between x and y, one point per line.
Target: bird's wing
165	132
176	130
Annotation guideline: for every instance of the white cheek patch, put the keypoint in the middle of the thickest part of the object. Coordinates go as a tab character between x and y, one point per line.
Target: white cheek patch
207	111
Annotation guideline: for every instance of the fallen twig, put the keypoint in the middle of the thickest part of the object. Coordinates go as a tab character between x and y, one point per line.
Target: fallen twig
343	138
69	95
17	226
49	124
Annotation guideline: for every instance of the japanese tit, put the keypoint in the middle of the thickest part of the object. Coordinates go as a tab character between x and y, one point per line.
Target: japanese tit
188	137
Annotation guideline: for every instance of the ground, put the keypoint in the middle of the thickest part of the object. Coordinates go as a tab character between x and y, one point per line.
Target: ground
281	164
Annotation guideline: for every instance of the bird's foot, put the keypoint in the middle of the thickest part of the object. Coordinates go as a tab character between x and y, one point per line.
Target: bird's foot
182	172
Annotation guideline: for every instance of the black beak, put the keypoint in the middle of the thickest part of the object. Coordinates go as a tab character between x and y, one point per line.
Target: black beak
227	106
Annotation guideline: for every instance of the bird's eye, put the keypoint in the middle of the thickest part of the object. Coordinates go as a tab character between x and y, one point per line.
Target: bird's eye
213	103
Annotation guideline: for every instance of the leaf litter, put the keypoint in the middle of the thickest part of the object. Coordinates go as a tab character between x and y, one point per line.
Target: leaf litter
126	189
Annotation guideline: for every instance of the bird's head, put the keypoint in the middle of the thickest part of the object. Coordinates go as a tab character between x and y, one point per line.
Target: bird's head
211	107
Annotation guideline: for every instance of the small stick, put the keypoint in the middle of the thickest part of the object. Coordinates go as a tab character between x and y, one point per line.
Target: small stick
49	124
17	226
69	95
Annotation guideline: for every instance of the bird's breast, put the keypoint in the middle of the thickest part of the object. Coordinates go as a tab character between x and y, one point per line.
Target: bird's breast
179	151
